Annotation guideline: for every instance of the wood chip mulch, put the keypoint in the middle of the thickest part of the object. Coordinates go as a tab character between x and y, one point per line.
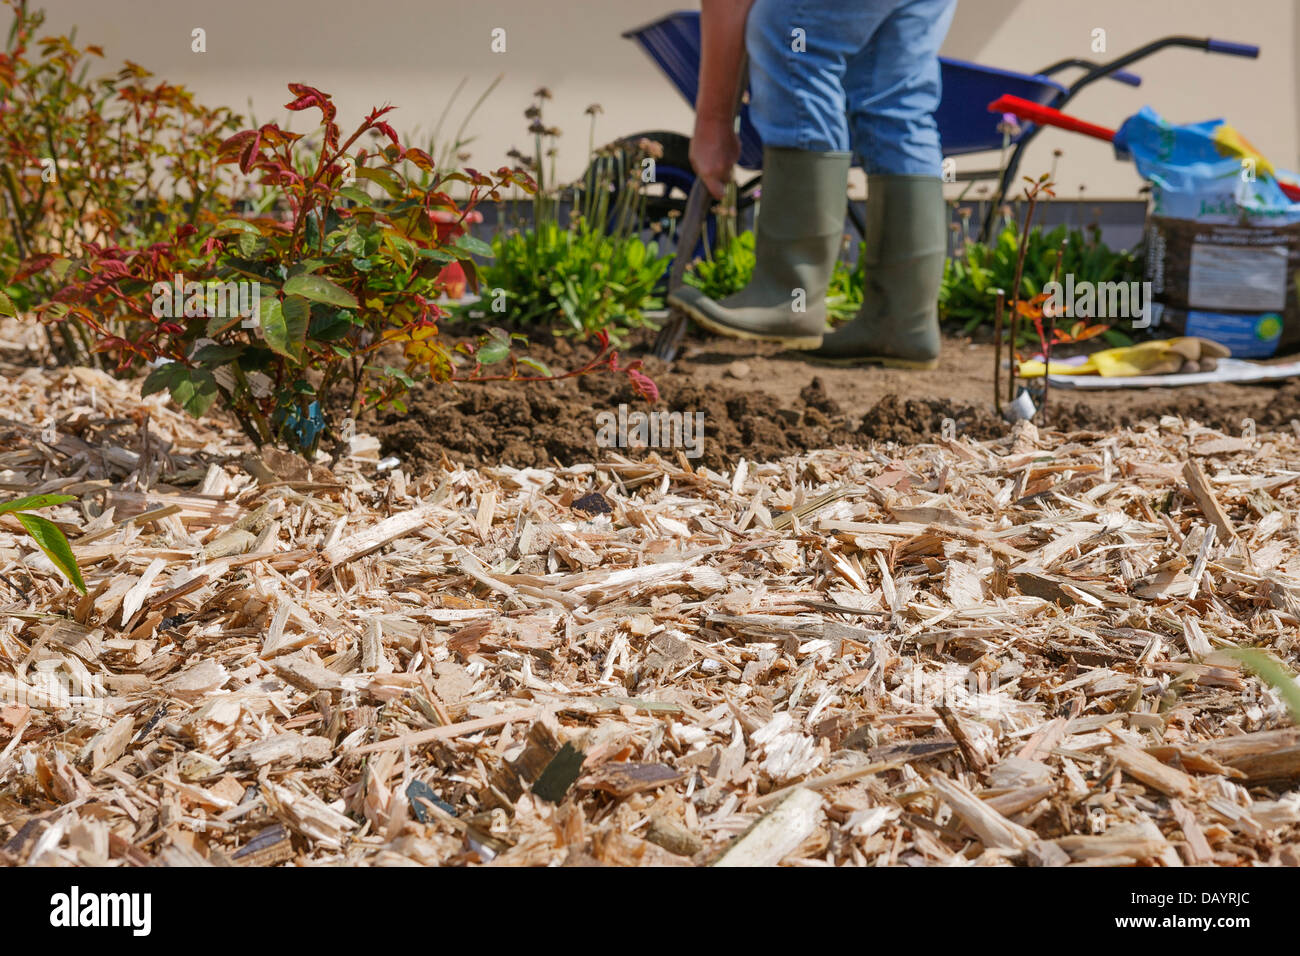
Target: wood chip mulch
961	653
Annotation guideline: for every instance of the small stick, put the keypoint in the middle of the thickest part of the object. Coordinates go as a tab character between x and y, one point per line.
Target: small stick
1013	327
1031	194
997	352
1047	361
1050	315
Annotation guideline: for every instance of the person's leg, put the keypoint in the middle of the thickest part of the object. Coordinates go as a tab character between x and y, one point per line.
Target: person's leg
799	51
893	89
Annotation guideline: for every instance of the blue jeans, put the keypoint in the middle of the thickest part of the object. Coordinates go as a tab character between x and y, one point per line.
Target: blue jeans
867	76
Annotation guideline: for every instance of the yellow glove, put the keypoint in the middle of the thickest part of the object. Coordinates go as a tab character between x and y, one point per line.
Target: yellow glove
1161	357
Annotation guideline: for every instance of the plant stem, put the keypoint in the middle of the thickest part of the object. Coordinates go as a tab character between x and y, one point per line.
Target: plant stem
997	352
1032	195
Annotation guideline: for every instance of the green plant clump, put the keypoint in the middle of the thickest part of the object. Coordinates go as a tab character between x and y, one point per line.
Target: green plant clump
579	277
971	278
725	269
596	274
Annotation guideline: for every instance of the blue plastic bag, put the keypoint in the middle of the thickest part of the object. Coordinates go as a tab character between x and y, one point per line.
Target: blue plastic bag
1223	239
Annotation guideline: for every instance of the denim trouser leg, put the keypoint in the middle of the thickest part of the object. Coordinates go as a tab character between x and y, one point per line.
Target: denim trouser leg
893	90
825	74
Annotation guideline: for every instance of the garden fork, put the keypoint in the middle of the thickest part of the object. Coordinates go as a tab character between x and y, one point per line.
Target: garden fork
670	336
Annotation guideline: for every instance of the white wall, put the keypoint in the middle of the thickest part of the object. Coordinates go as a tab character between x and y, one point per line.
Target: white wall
413	52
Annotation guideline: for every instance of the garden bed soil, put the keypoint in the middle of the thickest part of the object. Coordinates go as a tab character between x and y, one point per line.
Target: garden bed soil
761	404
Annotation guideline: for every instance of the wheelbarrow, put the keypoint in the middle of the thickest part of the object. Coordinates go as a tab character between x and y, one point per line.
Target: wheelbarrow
965	125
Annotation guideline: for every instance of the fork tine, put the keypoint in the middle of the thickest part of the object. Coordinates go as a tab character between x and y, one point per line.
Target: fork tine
669	339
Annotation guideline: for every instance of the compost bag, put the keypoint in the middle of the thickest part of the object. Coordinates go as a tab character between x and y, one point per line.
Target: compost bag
1223	239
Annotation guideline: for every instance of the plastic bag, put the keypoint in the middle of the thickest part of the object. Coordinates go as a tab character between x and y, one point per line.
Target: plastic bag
1223	239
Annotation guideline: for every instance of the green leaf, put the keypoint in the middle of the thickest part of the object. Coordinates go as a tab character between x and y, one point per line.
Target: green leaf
320	289
1274	673
218	354
306	266
159	378
251	245
50	539
388	180
194	389
358	196
238	225
472	245
31	502
493	351
538	367
284	324
60	268
330	326
7	306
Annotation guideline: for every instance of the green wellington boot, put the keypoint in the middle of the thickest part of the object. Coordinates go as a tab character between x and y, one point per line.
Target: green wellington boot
906	242
796	241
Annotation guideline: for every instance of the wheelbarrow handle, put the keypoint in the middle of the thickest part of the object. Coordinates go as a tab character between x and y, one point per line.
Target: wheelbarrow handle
1232	49
1127	78
1046	116
1120	76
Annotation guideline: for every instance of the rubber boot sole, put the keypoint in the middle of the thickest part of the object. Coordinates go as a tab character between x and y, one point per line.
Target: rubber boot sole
797	343
911	365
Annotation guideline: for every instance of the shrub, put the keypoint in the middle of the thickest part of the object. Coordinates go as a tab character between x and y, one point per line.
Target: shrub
106	160
345	283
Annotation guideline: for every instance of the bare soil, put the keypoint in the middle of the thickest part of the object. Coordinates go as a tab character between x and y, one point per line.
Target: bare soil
761	403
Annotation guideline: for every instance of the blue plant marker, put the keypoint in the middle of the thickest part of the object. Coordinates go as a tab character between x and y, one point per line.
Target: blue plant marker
304	429
417	790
